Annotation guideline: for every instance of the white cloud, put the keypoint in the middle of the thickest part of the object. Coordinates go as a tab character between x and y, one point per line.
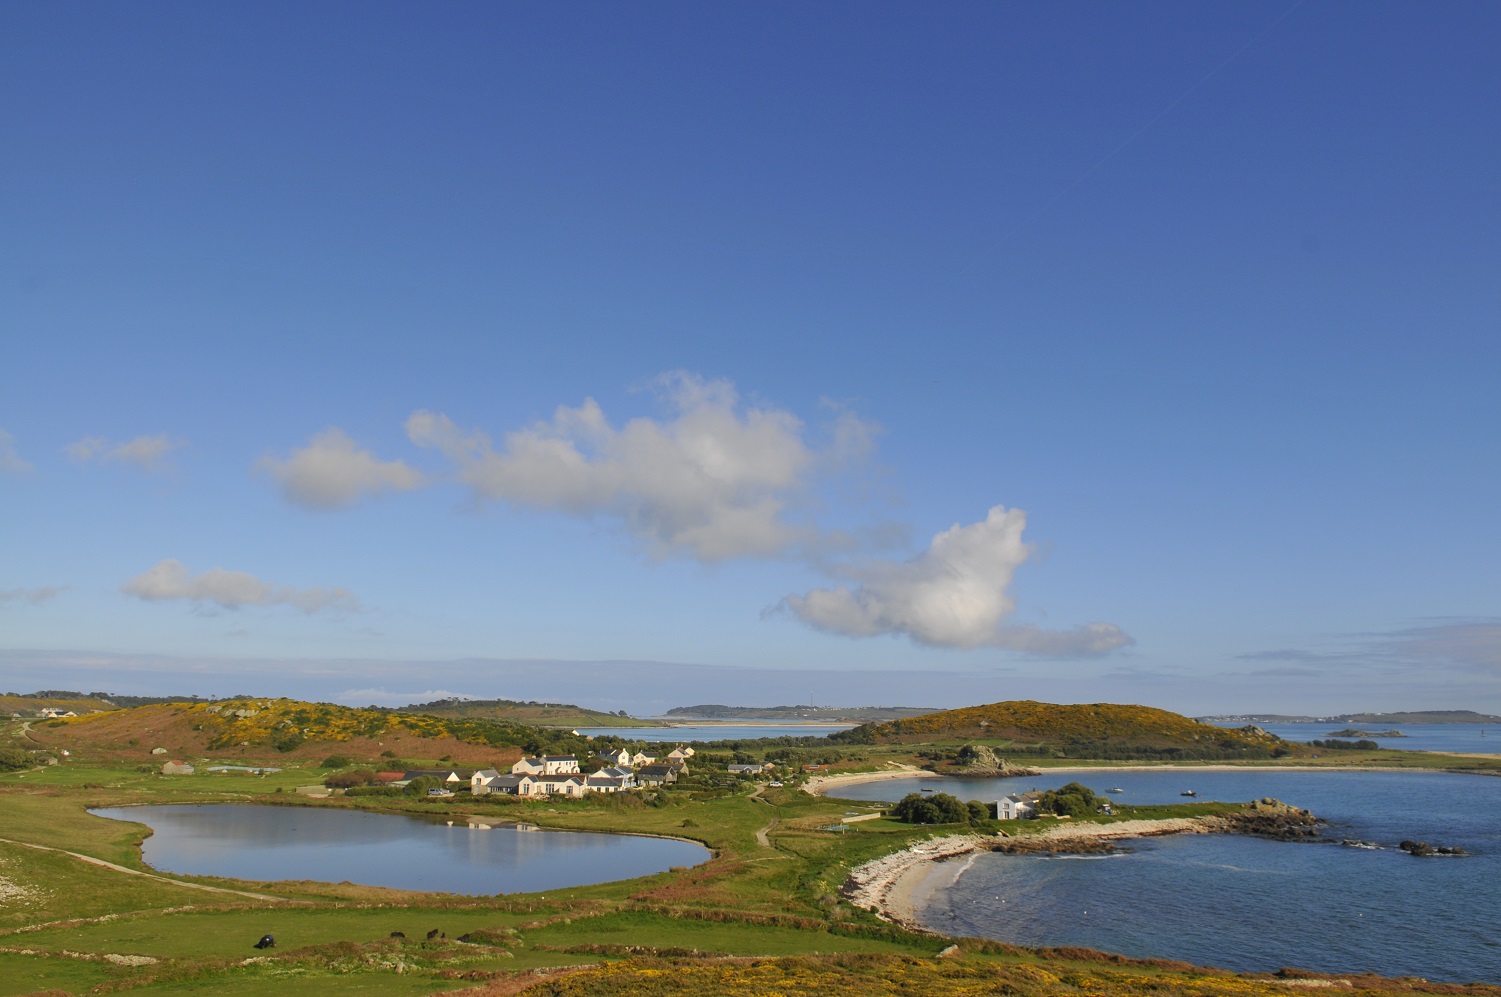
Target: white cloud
34	596
954	594
714	480
147	452
331	472
10	460
171	579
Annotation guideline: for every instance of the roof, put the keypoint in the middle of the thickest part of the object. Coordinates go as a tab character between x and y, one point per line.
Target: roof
659	769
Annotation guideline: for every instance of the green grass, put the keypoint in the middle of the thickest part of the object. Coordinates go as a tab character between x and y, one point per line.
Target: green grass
730	938
25	974
230	933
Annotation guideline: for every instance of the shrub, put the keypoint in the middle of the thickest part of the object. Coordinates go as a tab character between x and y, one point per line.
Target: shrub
935	808
12	759
347	780
335	762
1074	800
420	785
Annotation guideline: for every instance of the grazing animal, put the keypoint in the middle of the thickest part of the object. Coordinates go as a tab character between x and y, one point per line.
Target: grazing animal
398	934
266	942
432	934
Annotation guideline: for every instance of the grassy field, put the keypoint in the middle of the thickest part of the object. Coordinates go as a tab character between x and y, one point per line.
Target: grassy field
758	919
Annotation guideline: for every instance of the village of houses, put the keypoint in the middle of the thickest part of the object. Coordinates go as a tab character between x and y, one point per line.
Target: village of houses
561	775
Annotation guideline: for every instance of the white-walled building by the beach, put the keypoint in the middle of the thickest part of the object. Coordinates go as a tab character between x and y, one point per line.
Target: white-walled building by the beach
1014	807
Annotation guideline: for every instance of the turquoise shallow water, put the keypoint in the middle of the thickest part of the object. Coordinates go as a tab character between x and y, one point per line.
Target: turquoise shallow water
1244	903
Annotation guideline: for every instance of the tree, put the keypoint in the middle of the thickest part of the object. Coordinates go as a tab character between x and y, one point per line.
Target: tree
1071	800
937	808
420	785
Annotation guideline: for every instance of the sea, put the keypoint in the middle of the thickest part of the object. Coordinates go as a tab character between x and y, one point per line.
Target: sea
1244	903
1467	739
683	733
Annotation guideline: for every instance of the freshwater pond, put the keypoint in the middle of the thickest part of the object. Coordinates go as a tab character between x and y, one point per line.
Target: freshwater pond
1245	903
393	850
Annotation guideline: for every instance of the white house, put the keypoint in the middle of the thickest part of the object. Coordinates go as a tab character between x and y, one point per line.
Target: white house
621	757
1015	807
616	779
642	758
679	754
546	765
551	785
748	769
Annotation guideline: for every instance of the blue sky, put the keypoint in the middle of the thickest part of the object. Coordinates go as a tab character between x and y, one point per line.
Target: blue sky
641	355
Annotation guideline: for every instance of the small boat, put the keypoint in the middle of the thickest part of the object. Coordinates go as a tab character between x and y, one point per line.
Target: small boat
1188	792
1115	789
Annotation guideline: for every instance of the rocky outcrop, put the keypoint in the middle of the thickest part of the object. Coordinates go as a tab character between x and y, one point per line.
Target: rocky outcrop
1423	849
980	761
1271	818
1039	844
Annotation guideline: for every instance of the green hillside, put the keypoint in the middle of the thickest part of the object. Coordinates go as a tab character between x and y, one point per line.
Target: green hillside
516	711
1092	730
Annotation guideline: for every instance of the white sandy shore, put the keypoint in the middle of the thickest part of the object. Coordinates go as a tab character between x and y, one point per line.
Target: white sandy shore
886	885
820	783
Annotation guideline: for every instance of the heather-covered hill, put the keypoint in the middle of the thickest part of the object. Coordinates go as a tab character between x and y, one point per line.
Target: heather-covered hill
269	729
1091	730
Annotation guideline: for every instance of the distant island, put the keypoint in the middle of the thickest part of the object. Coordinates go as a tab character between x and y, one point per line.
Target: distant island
525	712
1410	717
1358	732
807	714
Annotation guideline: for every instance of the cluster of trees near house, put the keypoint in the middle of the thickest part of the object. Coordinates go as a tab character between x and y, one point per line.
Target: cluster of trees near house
1071	800
938	808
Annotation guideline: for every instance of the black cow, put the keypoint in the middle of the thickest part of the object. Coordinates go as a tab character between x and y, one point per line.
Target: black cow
266	942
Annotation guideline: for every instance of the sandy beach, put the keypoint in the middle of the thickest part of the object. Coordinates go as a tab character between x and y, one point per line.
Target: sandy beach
887	884
819	784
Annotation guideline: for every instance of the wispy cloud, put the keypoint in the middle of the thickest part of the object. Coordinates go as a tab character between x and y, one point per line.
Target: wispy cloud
1464	643
171	580
146	452
32	596
332	472
714	480
10	459
954	594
